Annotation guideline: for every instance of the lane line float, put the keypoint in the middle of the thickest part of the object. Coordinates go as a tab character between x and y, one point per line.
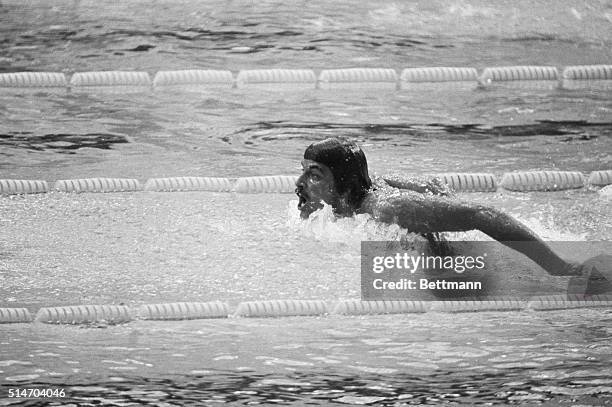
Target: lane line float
557	302
546	77
189	184
439	78
110	81
14	315
271	79
542	180
281	308
463	182
358	78
33	80
84	314
587	76
98	185
193	79
183	310
600	178
359	307
272	183
499	304
22	186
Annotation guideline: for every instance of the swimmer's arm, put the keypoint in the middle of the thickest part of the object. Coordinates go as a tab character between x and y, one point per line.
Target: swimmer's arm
428	214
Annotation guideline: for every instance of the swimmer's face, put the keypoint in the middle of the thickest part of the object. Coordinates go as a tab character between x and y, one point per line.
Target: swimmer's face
315	186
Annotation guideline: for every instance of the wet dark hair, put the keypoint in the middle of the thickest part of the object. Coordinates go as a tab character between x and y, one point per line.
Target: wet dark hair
347	163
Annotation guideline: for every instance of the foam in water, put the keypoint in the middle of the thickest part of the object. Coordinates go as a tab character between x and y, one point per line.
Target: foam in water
324	226
547	230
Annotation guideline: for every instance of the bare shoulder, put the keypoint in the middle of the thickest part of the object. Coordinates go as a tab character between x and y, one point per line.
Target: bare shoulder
418	212
386	200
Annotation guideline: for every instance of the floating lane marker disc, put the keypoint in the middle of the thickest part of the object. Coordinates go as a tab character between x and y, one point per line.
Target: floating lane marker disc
272	79
98	185
273	183
193	79
359	307
33	80
110	81
183	310
281	308
600	178
508	304
84	314
358	78
19	186
587	77
542	180
546	77
555	302
14	315
478	182
189	184
441	78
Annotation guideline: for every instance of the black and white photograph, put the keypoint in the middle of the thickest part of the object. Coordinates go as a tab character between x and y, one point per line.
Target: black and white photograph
305	203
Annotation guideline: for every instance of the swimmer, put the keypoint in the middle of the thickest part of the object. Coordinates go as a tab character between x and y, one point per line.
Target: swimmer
335	171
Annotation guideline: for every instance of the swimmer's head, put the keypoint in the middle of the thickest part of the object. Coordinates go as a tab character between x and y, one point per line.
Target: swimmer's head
335	172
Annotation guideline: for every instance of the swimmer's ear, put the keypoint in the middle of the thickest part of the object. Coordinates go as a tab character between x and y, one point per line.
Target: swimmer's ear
596	277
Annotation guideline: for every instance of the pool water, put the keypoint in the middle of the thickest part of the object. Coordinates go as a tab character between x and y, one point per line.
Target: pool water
146	247
434	359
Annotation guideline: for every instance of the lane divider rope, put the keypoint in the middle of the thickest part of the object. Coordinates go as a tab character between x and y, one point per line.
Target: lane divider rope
542	180
189	184
457	78
358	307
275	183
277	78
281	308
587	76
14	315
572	78
183	310
20	186
98	185
110	78
508	304
193	77
85	314
521	76
33	80
358	78
116	314
521	181
600	178
463	182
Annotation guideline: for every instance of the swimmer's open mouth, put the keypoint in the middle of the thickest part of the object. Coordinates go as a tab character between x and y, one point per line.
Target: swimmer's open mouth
302	198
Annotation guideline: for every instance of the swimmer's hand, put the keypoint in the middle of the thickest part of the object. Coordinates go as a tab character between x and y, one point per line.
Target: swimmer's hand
594	276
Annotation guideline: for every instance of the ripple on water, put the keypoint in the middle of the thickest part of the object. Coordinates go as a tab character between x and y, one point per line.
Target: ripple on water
286	362
22	378
7	363
374	370
358	400
574	391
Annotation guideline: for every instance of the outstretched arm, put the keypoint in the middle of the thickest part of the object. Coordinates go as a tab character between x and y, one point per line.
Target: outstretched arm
427	214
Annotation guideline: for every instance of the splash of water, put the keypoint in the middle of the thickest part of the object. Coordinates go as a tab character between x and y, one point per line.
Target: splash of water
324	226
547	230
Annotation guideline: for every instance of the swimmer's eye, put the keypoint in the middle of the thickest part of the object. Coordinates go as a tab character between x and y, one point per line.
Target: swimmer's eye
315	177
